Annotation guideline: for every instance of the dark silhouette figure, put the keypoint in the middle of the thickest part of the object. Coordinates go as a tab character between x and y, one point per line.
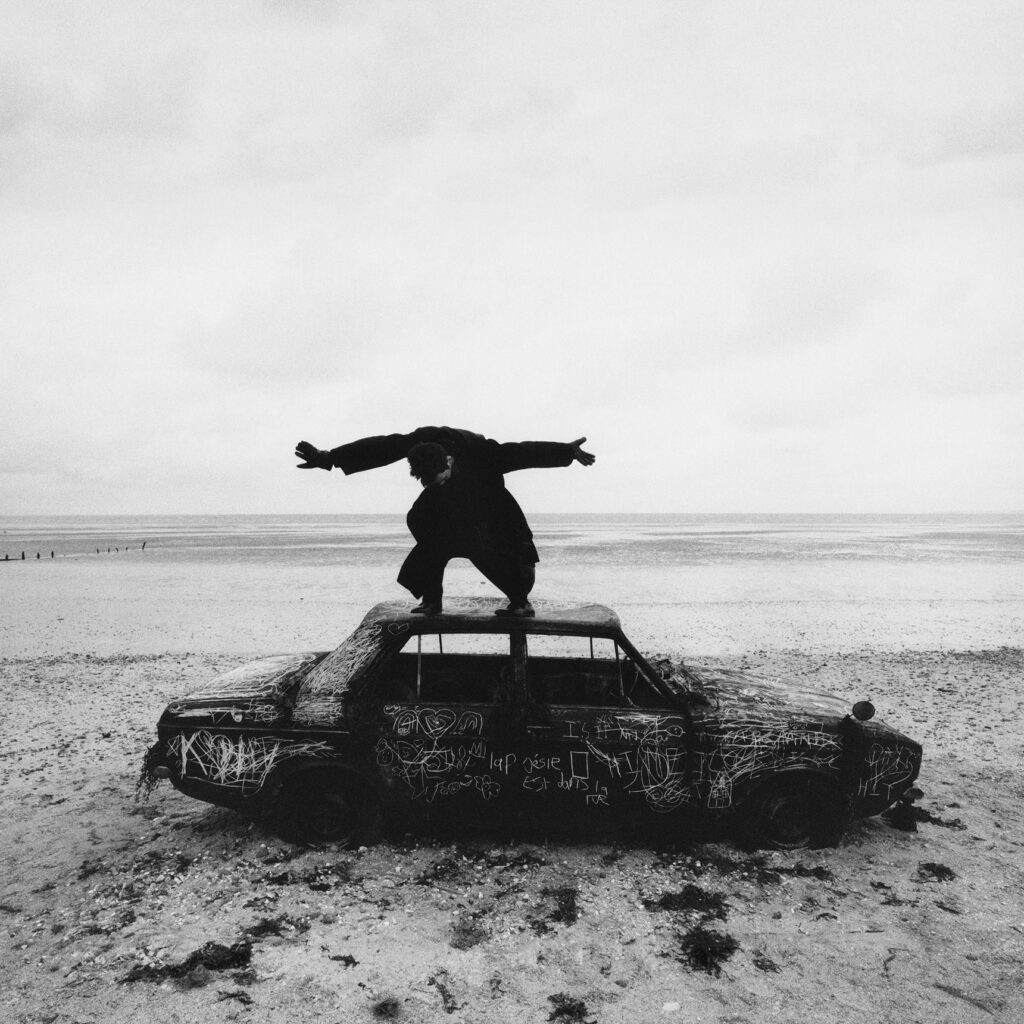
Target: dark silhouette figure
464	510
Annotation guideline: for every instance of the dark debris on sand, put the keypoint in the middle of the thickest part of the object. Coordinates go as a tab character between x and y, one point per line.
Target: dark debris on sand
276	926
691	899
387	1009
929	871
565	911
705	950
467	932
213	956
568	1010
452	866
697	862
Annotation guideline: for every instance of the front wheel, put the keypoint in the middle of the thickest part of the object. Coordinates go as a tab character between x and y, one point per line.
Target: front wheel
792	812
318	808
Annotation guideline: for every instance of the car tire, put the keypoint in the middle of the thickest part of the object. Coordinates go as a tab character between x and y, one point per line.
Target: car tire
795	811
318	808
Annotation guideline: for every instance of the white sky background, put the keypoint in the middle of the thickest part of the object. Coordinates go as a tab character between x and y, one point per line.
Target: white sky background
767	257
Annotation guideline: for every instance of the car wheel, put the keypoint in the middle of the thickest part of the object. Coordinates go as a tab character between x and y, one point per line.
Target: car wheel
320	808
792	812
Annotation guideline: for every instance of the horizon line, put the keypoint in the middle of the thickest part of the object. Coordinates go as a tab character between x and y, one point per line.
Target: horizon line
663	512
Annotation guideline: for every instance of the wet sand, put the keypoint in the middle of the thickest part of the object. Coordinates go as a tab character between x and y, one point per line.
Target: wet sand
97	889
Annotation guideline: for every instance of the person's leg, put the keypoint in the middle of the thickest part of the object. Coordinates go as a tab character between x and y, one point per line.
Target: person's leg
529	574
514	579
422	574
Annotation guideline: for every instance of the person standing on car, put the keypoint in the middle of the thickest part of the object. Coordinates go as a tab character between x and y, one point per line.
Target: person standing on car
464	510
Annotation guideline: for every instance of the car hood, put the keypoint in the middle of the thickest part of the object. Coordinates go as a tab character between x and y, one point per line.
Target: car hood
735	692
259	686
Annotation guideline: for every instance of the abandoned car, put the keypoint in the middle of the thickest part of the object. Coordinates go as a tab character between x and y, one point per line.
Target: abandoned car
555	722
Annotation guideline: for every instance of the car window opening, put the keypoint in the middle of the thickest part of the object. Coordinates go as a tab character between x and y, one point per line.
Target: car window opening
461	671
572	670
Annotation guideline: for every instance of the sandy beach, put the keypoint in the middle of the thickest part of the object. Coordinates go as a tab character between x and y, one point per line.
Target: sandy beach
104	899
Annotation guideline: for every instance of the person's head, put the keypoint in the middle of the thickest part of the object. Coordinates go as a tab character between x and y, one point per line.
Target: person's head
429	462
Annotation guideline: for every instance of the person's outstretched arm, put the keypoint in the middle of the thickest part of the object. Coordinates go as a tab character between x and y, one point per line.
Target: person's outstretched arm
379	450
541	455
384	449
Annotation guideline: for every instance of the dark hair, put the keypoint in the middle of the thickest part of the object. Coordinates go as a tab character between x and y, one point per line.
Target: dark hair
426	460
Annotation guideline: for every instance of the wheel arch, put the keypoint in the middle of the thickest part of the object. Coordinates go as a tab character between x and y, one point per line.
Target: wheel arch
292	792
751	785
830	817
288	772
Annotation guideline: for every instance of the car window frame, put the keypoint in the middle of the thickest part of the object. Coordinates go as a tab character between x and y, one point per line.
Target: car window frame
420	634
622	655
518	631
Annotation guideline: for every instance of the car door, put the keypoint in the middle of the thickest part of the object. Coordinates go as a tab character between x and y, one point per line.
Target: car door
442	737
603	749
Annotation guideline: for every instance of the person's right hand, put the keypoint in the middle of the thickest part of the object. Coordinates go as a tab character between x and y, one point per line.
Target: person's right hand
313	458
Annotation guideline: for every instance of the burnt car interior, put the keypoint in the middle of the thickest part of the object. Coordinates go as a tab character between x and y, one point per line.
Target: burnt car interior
568	671
450	669
575	671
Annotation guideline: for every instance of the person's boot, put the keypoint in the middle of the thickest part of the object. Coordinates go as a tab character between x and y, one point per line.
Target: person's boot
517	611
427	608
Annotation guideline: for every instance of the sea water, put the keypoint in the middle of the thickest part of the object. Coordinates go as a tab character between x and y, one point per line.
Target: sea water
717	583
609	539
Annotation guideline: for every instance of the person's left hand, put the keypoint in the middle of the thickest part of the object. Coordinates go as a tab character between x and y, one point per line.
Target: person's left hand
582	457
313	457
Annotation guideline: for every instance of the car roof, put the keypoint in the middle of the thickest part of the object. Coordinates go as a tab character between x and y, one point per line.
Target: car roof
476	615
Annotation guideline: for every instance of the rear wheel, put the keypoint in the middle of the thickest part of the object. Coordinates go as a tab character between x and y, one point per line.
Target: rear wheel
317	808
792	812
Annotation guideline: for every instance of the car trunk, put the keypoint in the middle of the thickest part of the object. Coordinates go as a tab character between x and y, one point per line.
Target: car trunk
260	691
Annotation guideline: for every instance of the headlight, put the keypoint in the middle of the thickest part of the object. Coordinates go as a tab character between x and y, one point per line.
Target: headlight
863	710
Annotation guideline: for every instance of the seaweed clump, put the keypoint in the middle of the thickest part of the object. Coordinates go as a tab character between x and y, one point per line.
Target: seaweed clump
467	932
213	956
566	909
387	1009
906	818
568	1009
765	963
932	872
692	899
706	950
148	780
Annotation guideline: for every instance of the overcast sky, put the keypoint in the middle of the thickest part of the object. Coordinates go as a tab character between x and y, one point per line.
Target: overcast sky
766	256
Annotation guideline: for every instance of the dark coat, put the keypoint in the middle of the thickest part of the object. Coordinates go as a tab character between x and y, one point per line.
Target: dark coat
471	451
472	515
